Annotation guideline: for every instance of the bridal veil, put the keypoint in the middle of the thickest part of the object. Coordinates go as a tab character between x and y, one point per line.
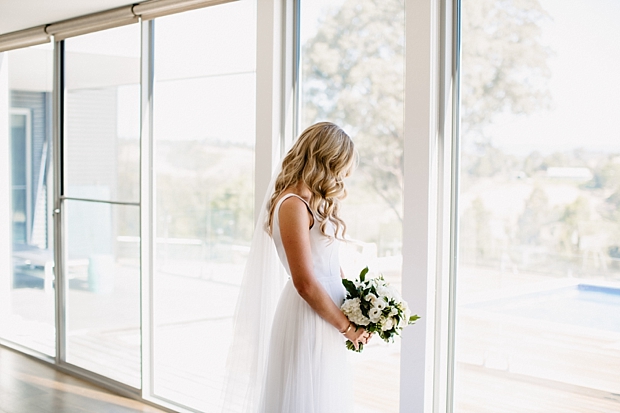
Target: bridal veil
263	280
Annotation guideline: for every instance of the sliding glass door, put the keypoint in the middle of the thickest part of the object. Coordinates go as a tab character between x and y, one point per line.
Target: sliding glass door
101	158
203	137
27	233
538	277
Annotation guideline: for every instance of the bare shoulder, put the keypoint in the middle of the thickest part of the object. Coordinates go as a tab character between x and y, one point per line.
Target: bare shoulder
293	206
294	213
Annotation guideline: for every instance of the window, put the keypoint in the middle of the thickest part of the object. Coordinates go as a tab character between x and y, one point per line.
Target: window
352	74
101	158
26	283
204	137
538	276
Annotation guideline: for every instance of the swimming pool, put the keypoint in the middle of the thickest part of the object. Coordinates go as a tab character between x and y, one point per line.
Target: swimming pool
582	305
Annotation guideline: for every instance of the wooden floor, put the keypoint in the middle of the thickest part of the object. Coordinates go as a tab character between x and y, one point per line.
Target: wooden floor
30	386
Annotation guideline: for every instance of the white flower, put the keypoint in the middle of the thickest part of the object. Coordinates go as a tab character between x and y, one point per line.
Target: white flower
383	291
393	311
362	321
389	323
350	305
351	308
371	298
405	319
380	303
359	318
374	314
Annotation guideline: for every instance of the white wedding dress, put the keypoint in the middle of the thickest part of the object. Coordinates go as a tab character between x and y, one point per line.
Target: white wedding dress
307	368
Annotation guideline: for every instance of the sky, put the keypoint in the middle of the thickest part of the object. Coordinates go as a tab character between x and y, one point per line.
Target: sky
585	86
584	37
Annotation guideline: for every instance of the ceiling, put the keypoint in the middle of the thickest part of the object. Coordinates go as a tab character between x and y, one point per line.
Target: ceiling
23	14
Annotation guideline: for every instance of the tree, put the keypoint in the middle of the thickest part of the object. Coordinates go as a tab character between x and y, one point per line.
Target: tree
607	175
504	64
575	213
492	163
354	70
477	246
354	75
534	217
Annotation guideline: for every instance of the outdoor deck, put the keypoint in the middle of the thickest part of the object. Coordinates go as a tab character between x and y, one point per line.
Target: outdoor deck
505	364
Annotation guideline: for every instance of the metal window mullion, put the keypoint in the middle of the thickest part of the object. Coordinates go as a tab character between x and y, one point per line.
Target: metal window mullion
288	89
455	170
59	222
147	226
297	68
443	347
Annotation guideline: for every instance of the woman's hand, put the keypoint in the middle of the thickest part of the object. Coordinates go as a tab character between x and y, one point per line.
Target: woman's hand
357	335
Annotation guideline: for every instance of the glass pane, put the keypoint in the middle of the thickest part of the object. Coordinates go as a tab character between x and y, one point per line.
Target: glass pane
352	75
26	225
20	172
102	118
103	302
204	121
538	300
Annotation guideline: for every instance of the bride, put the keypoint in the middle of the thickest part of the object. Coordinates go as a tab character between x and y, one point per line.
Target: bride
297	361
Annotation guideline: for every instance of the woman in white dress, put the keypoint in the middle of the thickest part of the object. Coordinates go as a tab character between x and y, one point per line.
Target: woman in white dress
292	358
307	367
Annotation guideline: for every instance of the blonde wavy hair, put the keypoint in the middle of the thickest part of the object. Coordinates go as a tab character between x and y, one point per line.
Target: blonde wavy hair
321	158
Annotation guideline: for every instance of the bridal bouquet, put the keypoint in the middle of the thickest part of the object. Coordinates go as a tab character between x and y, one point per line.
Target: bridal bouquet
376	306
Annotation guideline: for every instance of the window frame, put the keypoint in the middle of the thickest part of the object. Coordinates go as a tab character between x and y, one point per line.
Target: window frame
431	162
430	201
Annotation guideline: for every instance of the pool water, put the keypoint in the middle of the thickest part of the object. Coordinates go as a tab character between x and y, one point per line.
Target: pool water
581	305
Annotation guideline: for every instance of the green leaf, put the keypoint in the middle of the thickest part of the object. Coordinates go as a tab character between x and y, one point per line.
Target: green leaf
413	318
351	347
363	274
350	287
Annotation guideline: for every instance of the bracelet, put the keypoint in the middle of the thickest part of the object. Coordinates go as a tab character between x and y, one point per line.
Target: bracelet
347	329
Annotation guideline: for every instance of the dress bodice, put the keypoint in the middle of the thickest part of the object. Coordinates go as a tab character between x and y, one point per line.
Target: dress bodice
324	249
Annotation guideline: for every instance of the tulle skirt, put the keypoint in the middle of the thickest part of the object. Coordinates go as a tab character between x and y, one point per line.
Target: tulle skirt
307	369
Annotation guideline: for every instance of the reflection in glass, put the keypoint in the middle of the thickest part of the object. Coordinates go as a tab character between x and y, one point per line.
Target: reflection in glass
26	244
538	316
352	74
103	304
101	160
102	121
204	116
